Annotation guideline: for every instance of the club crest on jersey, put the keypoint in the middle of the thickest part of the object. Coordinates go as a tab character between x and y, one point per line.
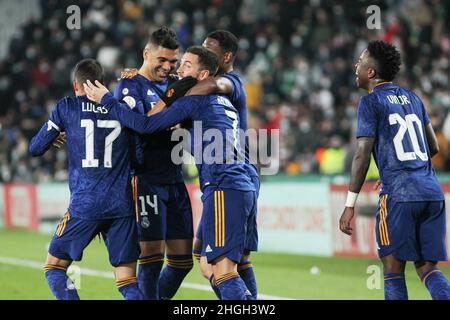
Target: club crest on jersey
125	91
145	223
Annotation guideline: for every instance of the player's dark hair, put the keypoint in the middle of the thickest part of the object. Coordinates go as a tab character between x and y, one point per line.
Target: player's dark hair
164	37
387	59
88	69
207	59
227	41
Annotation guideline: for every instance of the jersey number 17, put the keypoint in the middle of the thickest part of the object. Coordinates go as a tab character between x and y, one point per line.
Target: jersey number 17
88	124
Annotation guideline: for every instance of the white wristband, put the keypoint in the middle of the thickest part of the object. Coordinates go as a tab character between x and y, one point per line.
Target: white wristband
351	199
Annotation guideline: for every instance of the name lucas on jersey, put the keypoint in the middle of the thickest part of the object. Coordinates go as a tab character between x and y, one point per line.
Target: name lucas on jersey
90	107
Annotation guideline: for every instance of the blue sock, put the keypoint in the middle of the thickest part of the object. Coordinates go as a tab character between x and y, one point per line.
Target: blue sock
129	289
232	287
214	286
247	274
437	284
395	286
149	270
178	266
60	284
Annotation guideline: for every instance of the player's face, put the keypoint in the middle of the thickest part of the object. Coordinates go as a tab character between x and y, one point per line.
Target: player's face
190	67
214	46
161	62
361	72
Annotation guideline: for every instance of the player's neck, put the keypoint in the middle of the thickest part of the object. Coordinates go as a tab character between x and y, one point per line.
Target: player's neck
143	71
376	83
79	93
227	69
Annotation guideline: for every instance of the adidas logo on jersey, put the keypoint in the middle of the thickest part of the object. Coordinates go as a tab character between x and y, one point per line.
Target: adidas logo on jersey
208	248
150	93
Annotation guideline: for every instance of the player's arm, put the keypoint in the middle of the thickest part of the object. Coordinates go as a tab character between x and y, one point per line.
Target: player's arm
211	85
144	124
48	133
432	140
361	163
366	134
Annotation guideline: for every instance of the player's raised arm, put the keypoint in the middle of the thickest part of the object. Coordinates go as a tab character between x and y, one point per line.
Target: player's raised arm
212	85
137	122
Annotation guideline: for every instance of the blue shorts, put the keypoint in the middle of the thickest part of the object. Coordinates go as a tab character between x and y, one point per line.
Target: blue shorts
251	242
163	211
411	231
227	215
73	235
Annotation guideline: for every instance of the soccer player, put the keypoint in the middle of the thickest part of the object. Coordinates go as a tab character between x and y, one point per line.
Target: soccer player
162	203
99	181
225	45
229	196
410	221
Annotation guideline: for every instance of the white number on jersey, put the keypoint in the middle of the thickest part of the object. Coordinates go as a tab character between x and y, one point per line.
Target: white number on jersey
407	125
153	204
234	117
88	124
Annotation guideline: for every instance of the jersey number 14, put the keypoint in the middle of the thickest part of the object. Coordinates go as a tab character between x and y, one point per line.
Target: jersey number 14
407	125
88	124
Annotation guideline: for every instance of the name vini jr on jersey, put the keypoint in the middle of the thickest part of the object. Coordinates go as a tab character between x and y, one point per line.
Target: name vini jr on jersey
398	99
90	107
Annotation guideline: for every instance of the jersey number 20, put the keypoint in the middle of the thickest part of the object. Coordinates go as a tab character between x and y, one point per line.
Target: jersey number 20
407	125
89	161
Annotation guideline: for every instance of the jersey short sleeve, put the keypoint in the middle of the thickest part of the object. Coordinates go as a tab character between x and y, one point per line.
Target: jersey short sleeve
367	118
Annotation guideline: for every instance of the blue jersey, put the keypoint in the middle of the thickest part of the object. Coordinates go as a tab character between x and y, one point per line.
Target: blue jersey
214	112
396	118
152	151
99	162
238	99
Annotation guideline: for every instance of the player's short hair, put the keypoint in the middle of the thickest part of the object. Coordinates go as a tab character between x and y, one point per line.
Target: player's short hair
207	59
227	41
88	69
164	37
387	59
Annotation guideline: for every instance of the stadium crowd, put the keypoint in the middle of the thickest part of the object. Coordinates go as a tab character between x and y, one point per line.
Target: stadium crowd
297	59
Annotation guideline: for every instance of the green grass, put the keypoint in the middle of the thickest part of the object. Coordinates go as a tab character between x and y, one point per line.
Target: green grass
277	274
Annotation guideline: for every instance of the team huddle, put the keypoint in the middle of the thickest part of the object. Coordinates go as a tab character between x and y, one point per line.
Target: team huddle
126	187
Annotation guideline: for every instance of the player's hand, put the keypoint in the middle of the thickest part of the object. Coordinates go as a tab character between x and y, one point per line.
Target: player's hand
378	185
346	218
60	140
95	92
128	73
178	89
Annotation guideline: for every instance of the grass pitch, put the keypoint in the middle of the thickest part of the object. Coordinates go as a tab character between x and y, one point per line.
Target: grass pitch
22	254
